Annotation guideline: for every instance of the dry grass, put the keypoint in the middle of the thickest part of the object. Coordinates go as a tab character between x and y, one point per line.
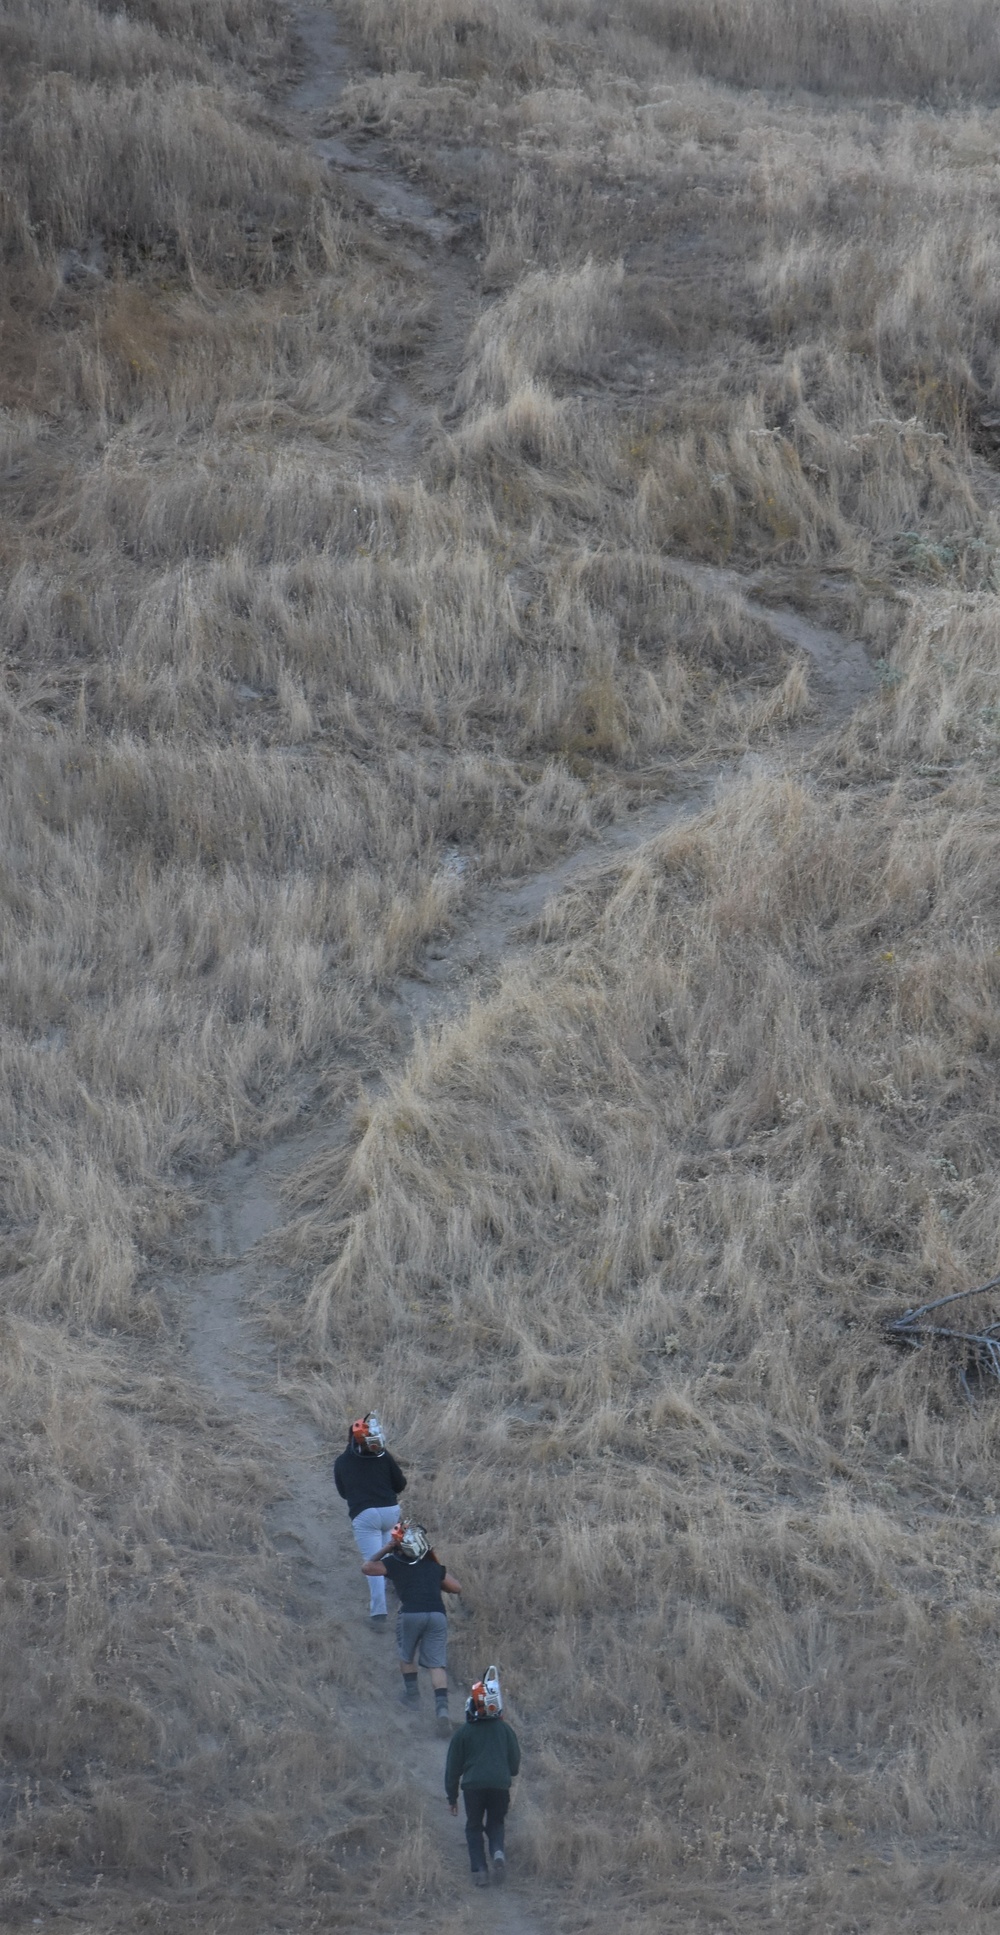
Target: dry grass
97	43
851	46
264	668
172	165
872	47
142	1644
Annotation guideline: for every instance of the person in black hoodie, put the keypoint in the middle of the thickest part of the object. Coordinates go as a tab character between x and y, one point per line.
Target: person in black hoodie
368	1477
484	1756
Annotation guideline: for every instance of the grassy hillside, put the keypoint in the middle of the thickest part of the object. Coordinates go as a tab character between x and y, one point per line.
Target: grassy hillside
617	1241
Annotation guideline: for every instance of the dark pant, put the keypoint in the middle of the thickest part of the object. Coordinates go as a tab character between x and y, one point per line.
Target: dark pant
484	1805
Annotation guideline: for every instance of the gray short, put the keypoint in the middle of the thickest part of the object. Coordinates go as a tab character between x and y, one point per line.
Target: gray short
426	1630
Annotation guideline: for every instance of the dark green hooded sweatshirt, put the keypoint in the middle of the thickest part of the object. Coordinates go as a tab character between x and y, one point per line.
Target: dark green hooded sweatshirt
483	1753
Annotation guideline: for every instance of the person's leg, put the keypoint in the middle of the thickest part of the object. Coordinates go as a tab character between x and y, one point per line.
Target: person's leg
497	1801
408	1630
434	1655
370	1538
442	1718
475	1808
388	1516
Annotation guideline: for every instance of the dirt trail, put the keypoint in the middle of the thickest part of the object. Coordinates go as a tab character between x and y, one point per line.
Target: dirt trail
424	236
228	1353
227	1349
327	68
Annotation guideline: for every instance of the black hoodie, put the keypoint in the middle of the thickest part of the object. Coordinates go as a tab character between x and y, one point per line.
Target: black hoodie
367	1478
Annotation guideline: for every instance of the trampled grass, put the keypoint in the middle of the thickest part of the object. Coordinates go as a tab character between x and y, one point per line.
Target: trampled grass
307	589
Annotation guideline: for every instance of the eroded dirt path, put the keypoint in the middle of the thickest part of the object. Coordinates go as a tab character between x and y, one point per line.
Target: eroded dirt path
425	238
327	67
227	1348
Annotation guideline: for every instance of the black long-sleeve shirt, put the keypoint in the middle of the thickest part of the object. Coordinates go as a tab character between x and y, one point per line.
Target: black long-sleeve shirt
364	1479
419	1585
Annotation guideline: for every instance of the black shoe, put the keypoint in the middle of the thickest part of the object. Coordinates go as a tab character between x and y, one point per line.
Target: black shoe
378	1622
442	1725
480	1878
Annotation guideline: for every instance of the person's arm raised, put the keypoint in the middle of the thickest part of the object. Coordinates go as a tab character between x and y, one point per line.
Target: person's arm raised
374	1569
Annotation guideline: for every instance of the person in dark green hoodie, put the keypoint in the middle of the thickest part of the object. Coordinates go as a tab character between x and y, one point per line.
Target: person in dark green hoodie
484	1757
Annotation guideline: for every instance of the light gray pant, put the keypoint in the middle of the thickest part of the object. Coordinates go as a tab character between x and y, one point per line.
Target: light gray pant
371	1529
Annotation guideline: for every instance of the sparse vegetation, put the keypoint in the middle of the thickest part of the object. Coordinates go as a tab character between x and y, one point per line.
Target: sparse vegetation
329	554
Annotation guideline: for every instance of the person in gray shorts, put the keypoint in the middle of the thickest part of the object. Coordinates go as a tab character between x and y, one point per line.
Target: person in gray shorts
415	1570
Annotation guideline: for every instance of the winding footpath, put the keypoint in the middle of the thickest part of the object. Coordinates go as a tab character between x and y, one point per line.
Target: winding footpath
225	1346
